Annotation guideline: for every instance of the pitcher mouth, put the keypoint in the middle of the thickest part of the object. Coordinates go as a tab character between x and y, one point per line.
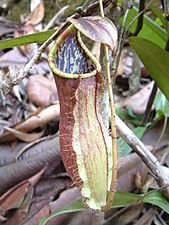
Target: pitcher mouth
71	30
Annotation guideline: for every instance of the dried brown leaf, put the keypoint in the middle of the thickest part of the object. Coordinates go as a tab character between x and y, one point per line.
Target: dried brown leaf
41	90
34	180
43	192
43	212
66	197
37	15
20	196
127	215
98	29
138	101
38	119
147	217
14	197
129	166
16	218
24	136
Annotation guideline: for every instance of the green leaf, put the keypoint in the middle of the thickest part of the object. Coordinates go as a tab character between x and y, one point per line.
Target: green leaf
122	199
162	18
129	116
76	206
155	28
161	104
26	39
150	30
156	61
158	199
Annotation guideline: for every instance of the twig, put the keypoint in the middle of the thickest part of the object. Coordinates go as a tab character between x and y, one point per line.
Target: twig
166	8
119	212
92	7
56	16
25	148
116	58
160	173
86	3
123	35
140	18
147	182
149	104
138	15
111	193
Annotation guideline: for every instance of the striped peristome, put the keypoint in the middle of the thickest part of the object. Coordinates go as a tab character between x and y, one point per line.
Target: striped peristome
71	31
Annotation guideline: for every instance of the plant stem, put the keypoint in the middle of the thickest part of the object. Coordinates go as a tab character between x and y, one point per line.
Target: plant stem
140	18
110	195
160	173
116	58
52	22
149	104
137	16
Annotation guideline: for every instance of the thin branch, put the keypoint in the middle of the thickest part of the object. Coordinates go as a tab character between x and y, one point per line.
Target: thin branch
140	18
86	4
92	7
166	9
119	212
56	16
149	104
25	148
137	16
116	58
123	34
160	173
